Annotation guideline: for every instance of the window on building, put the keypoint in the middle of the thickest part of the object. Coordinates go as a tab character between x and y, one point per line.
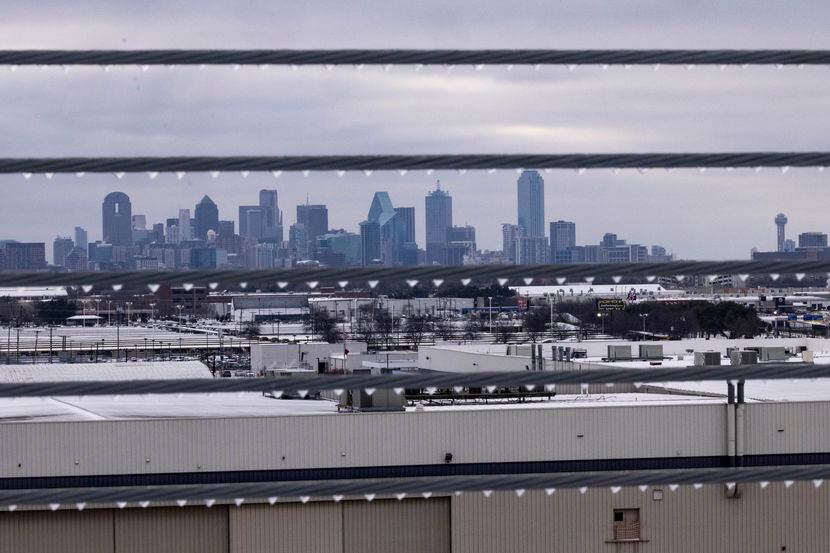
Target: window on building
626	524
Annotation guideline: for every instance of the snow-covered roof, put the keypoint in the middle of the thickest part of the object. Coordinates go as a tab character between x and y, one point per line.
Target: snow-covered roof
598	290
58	372
93	408
30	292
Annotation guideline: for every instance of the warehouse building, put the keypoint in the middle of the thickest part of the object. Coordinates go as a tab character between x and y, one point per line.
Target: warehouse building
169	440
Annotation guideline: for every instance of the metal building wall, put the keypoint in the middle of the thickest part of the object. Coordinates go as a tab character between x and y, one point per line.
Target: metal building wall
314	527
787	427
56	532
408	526
775	518
685	521
171	530
362	440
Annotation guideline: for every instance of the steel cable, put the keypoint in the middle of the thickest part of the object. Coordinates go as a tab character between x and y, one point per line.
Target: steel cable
306	385
664	160
415	57
426	275
325	489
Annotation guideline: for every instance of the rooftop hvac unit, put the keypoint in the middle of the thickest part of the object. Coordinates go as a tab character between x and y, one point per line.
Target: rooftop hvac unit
379	400
707	358
619	353
772	354
651	351
746	357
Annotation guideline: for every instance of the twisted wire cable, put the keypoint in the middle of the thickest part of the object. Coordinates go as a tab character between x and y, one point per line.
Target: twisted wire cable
531	380
426	275
419	486
415	57
413	162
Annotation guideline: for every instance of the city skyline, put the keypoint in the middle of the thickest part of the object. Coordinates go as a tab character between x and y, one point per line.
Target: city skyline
763	242
565	195
387	236
159	112
171	214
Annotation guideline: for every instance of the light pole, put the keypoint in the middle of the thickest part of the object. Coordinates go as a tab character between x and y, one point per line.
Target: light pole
602	320
118	335
34	359
550	307
490	315
129	304
644	316
180	307
153	317
109	312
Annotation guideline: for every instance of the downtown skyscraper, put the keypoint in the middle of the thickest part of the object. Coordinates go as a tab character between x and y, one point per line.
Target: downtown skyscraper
207	218
438	210
531	204
117	215
312	221
272	229
386	232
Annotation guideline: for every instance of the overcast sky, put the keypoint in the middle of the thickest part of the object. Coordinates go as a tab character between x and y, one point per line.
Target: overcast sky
217	111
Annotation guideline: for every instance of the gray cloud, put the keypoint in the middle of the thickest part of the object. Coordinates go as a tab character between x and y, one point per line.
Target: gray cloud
219	111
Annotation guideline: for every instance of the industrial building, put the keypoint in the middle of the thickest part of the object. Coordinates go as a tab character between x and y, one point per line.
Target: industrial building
111	442
250	442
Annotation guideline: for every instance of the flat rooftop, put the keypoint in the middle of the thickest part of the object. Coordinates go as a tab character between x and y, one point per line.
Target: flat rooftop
232	405
565	401
62	372
182	406
242	405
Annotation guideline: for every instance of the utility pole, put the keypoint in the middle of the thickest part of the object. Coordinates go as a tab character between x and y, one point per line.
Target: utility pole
34	359
51	329
644	316
118	335
550	307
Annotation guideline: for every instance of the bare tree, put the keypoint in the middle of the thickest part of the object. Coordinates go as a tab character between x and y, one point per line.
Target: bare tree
444	329
415	328
324	326
364	329
535	322
384	325
251	330
503	333
472	329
